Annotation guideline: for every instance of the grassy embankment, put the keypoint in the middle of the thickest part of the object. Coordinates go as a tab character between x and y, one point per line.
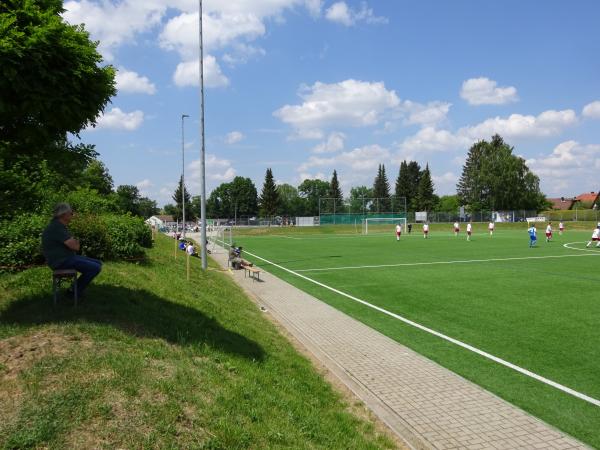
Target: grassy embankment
152	361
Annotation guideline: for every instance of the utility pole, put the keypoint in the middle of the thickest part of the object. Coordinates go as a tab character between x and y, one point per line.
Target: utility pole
183	117
202	153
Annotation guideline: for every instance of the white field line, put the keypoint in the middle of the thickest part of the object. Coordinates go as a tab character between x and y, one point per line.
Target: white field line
489	356
568	245
460	261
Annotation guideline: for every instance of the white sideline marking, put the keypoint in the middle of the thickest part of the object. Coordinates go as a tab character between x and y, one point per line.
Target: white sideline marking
430	263
567	245
501	361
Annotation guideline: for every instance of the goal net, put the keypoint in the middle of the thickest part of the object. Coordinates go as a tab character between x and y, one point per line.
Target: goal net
383	225
219	237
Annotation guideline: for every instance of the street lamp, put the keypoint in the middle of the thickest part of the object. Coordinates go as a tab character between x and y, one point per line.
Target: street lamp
202	153
183	117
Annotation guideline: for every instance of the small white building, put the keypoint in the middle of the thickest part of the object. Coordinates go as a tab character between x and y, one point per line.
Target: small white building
161	221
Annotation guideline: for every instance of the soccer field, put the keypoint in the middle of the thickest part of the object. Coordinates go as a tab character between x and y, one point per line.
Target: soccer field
513	319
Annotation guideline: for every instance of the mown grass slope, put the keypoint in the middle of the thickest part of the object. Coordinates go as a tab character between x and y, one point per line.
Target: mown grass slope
150	360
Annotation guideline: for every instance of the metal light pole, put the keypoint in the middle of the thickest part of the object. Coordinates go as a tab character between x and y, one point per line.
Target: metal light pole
183	116
202	153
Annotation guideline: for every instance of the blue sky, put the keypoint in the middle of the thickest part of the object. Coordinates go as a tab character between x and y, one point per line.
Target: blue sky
309	86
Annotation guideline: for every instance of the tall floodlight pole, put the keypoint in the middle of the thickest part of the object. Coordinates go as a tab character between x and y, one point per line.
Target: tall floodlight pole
183	116
202	152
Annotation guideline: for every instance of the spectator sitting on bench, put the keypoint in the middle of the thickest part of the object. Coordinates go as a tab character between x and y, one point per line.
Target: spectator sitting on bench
60	247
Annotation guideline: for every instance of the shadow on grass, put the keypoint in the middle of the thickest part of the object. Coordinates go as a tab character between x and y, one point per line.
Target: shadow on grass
136	312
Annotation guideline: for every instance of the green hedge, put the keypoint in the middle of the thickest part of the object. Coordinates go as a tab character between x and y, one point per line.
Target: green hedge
104	237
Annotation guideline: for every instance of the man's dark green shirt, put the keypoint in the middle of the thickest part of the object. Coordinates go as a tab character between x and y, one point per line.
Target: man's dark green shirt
53	243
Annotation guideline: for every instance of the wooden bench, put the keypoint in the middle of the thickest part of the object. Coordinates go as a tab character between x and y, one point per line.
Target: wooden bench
58	276
252	271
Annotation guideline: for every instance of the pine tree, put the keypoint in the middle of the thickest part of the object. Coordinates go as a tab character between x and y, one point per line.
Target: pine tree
177	198
381	191
425	196
269	197
414	177
403	186
335	194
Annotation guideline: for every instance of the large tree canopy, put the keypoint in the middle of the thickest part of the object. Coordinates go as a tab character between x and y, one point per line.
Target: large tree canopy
311	191
495	179
51	81
381	191
269	197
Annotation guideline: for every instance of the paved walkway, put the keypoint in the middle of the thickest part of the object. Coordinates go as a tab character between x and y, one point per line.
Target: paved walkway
425	404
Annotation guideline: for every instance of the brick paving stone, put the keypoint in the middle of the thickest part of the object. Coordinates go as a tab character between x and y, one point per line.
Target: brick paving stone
426	404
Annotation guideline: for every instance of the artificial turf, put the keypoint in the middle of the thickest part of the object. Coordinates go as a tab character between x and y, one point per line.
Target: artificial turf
540	312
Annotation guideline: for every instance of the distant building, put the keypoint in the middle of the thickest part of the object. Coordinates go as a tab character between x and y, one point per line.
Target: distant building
161	221
586	200
561	203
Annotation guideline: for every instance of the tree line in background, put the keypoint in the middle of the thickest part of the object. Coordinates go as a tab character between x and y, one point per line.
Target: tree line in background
493	178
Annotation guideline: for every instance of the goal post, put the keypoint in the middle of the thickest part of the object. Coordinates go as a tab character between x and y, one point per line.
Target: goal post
382	224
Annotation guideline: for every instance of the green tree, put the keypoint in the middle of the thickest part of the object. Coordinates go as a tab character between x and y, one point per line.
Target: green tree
360	199
381	191
403	183
170	210
426	198
178	198
290	202
448	203
96	176
128	199
493	178
52	79
336	198
269	198
311	191
147	207
243	197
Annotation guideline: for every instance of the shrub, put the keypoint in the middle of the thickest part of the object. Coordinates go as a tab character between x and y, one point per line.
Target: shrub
93	235
20	241
102	236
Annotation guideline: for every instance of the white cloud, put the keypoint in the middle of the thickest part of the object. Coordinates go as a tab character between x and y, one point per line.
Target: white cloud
234	137
430	139
144	187
131	82
483	91
188	73
334	143
347	103
430	113
217	170
571	165
116	119
592	110
548	123
360	159
115	24
341	13
445	184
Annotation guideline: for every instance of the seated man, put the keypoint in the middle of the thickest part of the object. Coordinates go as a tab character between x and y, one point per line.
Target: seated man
235	257
60	248
182	245
190	249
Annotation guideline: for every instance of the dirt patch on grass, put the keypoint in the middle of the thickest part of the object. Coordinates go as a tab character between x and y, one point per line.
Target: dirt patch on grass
19	353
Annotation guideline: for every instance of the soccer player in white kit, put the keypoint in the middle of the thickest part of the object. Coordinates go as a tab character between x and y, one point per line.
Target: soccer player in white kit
398	231
491	228
456	229
595	237
549	232
561	228
425	230
469	230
